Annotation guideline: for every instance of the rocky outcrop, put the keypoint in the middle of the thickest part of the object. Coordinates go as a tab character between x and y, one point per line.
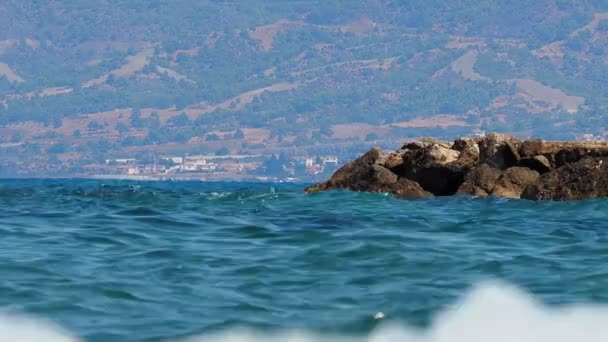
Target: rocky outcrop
370	173
495	165
586	178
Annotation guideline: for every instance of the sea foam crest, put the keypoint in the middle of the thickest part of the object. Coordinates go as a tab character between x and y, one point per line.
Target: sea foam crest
490	312
27	329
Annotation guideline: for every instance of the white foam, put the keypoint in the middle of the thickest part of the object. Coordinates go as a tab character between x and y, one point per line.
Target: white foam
18	328
490	312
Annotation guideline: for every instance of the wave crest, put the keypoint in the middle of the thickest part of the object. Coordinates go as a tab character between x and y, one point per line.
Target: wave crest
28	329
492	311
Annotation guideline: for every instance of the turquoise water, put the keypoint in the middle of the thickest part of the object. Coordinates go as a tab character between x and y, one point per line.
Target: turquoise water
156	261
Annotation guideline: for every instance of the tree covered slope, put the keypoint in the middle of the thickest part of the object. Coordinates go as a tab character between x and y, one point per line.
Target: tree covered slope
83	81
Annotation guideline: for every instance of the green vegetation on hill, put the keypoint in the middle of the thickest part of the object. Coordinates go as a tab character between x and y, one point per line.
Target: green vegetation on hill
297	69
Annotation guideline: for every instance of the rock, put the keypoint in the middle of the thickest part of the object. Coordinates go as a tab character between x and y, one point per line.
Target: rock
406	188
499	150
587	178
395	159
357	175
367	173
488	181
440	180
434	168
442	154
462	144
560	153
495	165
531	148
538	163
481	181
469	153
382	175
513	182
424	143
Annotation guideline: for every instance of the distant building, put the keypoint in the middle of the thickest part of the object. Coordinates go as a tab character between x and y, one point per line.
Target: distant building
121	161
133	170
154	168
591	137
315	169
175	160
197	164
331	160
478	133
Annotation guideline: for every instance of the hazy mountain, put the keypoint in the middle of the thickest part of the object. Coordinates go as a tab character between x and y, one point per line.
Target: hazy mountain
81	82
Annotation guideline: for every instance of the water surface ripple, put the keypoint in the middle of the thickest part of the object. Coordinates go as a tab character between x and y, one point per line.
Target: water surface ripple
116	261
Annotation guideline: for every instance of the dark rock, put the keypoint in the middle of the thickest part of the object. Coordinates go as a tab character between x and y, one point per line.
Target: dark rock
440	180
574	154
499	150
587	178
394	160
357	175
538	163
469	153
434	168
481	181
406	188
382	175
531	148
368	174
513	182
488	181
560	153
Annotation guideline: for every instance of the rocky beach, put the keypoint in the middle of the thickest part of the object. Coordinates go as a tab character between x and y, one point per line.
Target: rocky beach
494	165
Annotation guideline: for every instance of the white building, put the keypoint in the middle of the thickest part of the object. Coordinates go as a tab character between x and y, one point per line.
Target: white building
330	160
121	161
133	170
478	133
194	164
175	160
591	137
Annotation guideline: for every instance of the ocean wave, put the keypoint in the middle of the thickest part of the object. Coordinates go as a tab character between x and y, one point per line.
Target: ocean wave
14	327
492	311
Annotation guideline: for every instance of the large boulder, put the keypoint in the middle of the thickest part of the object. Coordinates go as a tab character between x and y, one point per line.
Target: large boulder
433	167
489	181
513	182
587	178
469	153
538	163
368	173
499	150
358	175
394	160
481	181
407	189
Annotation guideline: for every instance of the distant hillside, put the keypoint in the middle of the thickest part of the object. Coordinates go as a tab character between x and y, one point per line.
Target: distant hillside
81	82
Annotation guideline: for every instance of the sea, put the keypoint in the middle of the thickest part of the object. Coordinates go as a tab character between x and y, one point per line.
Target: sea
91	260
